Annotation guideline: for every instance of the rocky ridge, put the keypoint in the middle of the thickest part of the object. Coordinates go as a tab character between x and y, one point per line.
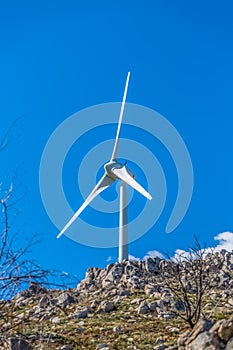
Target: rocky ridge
123	306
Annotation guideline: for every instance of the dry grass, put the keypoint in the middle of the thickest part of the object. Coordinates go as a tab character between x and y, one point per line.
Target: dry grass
136	331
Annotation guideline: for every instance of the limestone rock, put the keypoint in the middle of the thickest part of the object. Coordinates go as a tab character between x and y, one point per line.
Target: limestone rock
152	265
204	341
124	293
102	346
95	303
229	344
117	330
153	306
81	313
177	305
44	302
230	301
16	344
65	299
105	306
143	308
203	325
225	330
164	304
152	290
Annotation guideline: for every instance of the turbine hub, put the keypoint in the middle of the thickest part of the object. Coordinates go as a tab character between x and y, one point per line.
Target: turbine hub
113	164
110	166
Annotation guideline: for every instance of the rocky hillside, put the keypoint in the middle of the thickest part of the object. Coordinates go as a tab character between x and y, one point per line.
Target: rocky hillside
126	305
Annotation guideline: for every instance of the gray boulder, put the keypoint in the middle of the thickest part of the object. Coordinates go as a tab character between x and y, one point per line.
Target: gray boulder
143	308
225	330
229	344
65	299
153	306
105	306
81	313
16	344
44	302
178	306
152	265
205	341
203	325
164	304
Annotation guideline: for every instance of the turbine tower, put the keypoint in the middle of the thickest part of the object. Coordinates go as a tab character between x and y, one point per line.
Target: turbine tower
115	170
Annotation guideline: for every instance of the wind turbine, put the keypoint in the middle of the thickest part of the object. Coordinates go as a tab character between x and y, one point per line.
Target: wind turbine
115	170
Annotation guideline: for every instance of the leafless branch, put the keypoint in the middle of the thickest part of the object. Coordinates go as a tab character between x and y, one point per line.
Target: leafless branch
187	277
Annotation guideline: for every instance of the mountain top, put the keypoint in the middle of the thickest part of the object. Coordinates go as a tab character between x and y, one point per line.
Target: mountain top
128	305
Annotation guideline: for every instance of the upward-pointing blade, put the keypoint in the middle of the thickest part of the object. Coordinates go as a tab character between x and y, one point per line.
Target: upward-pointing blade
123	175
104	183
115	149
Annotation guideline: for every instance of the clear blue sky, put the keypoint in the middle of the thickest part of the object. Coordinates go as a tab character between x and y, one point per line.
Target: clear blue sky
58	57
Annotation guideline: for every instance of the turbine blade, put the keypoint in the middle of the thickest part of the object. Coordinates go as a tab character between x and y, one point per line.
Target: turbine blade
115	149
123	175
104	183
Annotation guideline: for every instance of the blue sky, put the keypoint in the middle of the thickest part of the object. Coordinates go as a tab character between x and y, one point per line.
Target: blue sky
59	57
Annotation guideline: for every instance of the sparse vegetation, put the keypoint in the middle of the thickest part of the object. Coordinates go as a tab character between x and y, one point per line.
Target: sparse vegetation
188	277
41	319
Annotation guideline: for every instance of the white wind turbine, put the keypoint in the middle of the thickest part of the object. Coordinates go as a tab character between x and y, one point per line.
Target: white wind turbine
114	170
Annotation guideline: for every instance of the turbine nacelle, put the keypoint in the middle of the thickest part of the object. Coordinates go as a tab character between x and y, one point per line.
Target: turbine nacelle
111	166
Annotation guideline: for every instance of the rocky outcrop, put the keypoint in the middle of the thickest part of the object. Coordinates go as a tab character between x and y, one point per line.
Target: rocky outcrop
121	297
128	275
208	335
145	275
